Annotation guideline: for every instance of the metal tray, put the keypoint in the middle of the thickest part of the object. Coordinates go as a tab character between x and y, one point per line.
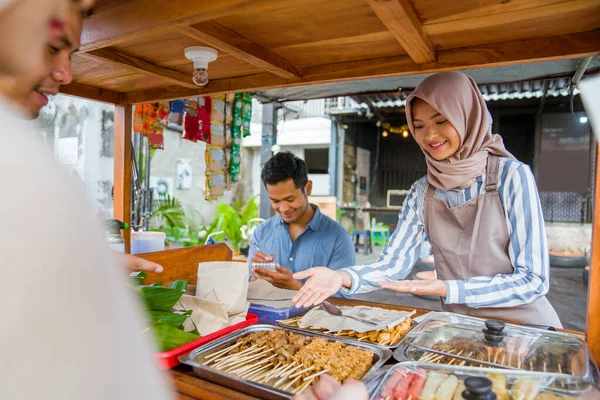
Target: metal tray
583	387
580	360
332	336
196	357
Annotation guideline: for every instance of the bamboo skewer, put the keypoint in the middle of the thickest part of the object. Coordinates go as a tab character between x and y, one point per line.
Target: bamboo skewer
223	351
276	372
257	372
301	388
291	383
242	354
295	374
503	357
313	376
245	360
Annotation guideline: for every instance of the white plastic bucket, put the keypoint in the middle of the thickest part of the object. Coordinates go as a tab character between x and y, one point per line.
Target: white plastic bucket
147	242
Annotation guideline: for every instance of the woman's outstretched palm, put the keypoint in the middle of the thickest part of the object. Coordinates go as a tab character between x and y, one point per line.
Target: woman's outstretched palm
322	283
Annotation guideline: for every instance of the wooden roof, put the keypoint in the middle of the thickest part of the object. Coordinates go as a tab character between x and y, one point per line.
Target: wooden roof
132	50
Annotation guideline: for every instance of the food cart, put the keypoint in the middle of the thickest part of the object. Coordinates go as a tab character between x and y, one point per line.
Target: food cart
133	52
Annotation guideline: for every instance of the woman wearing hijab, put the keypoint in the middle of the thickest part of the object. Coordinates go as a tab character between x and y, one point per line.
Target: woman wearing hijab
479	207
68	310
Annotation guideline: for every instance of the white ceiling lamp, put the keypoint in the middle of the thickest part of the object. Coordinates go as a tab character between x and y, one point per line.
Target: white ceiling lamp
201	56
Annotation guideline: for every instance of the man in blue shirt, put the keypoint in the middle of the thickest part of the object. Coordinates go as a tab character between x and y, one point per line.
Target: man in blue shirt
299	237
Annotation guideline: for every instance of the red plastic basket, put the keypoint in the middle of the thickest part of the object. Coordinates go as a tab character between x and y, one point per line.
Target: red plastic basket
169	359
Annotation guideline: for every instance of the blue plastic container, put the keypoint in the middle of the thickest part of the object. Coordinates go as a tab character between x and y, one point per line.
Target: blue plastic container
270	315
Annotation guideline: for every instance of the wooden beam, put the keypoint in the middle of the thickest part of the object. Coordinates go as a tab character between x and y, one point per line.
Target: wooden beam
123	123
139	19
400	19
510	17
140	66
593	308
228	41
518	52
92	93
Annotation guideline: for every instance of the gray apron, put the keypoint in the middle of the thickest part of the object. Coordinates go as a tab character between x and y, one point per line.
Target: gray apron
472	240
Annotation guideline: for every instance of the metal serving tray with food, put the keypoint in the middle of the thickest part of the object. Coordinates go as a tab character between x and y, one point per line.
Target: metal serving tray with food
386	335
423	381
274	363
453	339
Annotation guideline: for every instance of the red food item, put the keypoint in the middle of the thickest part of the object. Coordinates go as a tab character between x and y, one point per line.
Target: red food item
400	392
388	390
416	386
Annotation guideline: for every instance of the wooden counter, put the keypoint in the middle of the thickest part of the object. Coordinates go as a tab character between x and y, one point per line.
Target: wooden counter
188	386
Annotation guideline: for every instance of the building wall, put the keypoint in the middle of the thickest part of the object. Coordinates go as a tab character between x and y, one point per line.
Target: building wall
87	125
164	165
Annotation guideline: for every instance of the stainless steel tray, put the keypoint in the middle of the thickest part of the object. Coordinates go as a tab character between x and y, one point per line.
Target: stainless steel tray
332	336
580	358
197	357
582	385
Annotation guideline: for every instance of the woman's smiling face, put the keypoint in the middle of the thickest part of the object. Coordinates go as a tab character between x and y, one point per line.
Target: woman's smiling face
433	132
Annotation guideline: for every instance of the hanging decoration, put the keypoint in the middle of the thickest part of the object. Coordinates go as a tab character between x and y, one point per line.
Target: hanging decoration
236	134
399	130
150	120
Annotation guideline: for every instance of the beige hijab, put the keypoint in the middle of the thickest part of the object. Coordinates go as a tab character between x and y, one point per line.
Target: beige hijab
457	97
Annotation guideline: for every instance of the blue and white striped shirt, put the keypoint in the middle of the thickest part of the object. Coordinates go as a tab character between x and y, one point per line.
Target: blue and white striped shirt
528	249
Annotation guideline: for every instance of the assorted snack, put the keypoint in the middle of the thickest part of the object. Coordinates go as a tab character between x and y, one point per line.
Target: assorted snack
289	361
382	337
421	383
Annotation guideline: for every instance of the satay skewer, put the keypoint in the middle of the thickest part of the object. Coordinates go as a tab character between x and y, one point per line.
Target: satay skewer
291	383
295	374
313	376
301	388
223	351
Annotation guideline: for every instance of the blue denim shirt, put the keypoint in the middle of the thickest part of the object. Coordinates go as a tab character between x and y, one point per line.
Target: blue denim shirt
322	243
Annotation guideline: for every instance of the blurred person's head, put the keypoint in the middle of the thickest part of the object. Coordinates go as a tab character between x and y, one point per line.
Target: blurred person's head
285	177
31	92
28	29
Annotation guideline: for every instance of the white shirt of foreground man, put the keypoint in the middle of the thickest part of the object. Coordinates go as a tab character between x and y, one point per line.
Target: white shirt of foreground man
70	329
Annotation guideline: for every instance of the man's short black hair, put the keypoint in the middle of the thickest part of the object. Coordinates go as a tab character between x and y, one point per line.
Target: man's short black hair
284	166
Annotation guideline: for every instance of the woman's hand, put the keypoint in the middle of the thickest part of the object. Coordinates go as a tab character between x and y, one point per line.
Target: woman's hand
322	283
434	287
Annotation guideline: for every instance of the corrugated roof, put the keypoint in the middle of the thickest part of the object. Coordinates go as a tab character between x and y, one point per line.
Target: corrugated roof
491	92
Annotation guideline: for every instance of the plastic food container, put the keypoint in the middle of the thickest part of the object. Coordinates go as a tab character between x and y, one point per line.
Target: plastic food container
270	315
421	381
447	338
147	242
169	359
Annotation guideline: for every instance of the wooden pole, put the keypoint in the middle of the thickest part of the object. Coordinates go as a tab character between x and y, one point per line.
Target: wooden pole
593	309
123	148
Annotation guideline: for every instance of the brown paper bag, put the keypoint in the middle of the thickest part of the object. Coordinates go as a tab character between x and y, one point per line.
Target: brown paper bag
264	293
207	316
225	283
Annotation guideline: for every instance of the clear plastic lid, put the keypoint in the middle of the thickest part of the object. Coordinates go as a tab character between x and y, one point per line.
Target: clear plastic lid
419	381
455	339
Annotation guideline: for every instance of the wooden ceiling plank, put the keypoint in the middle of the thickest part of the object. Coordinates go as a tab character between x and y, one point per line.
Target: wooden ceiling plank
497	20
400	19
517	52
228	41
92	93
141	66
138	19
